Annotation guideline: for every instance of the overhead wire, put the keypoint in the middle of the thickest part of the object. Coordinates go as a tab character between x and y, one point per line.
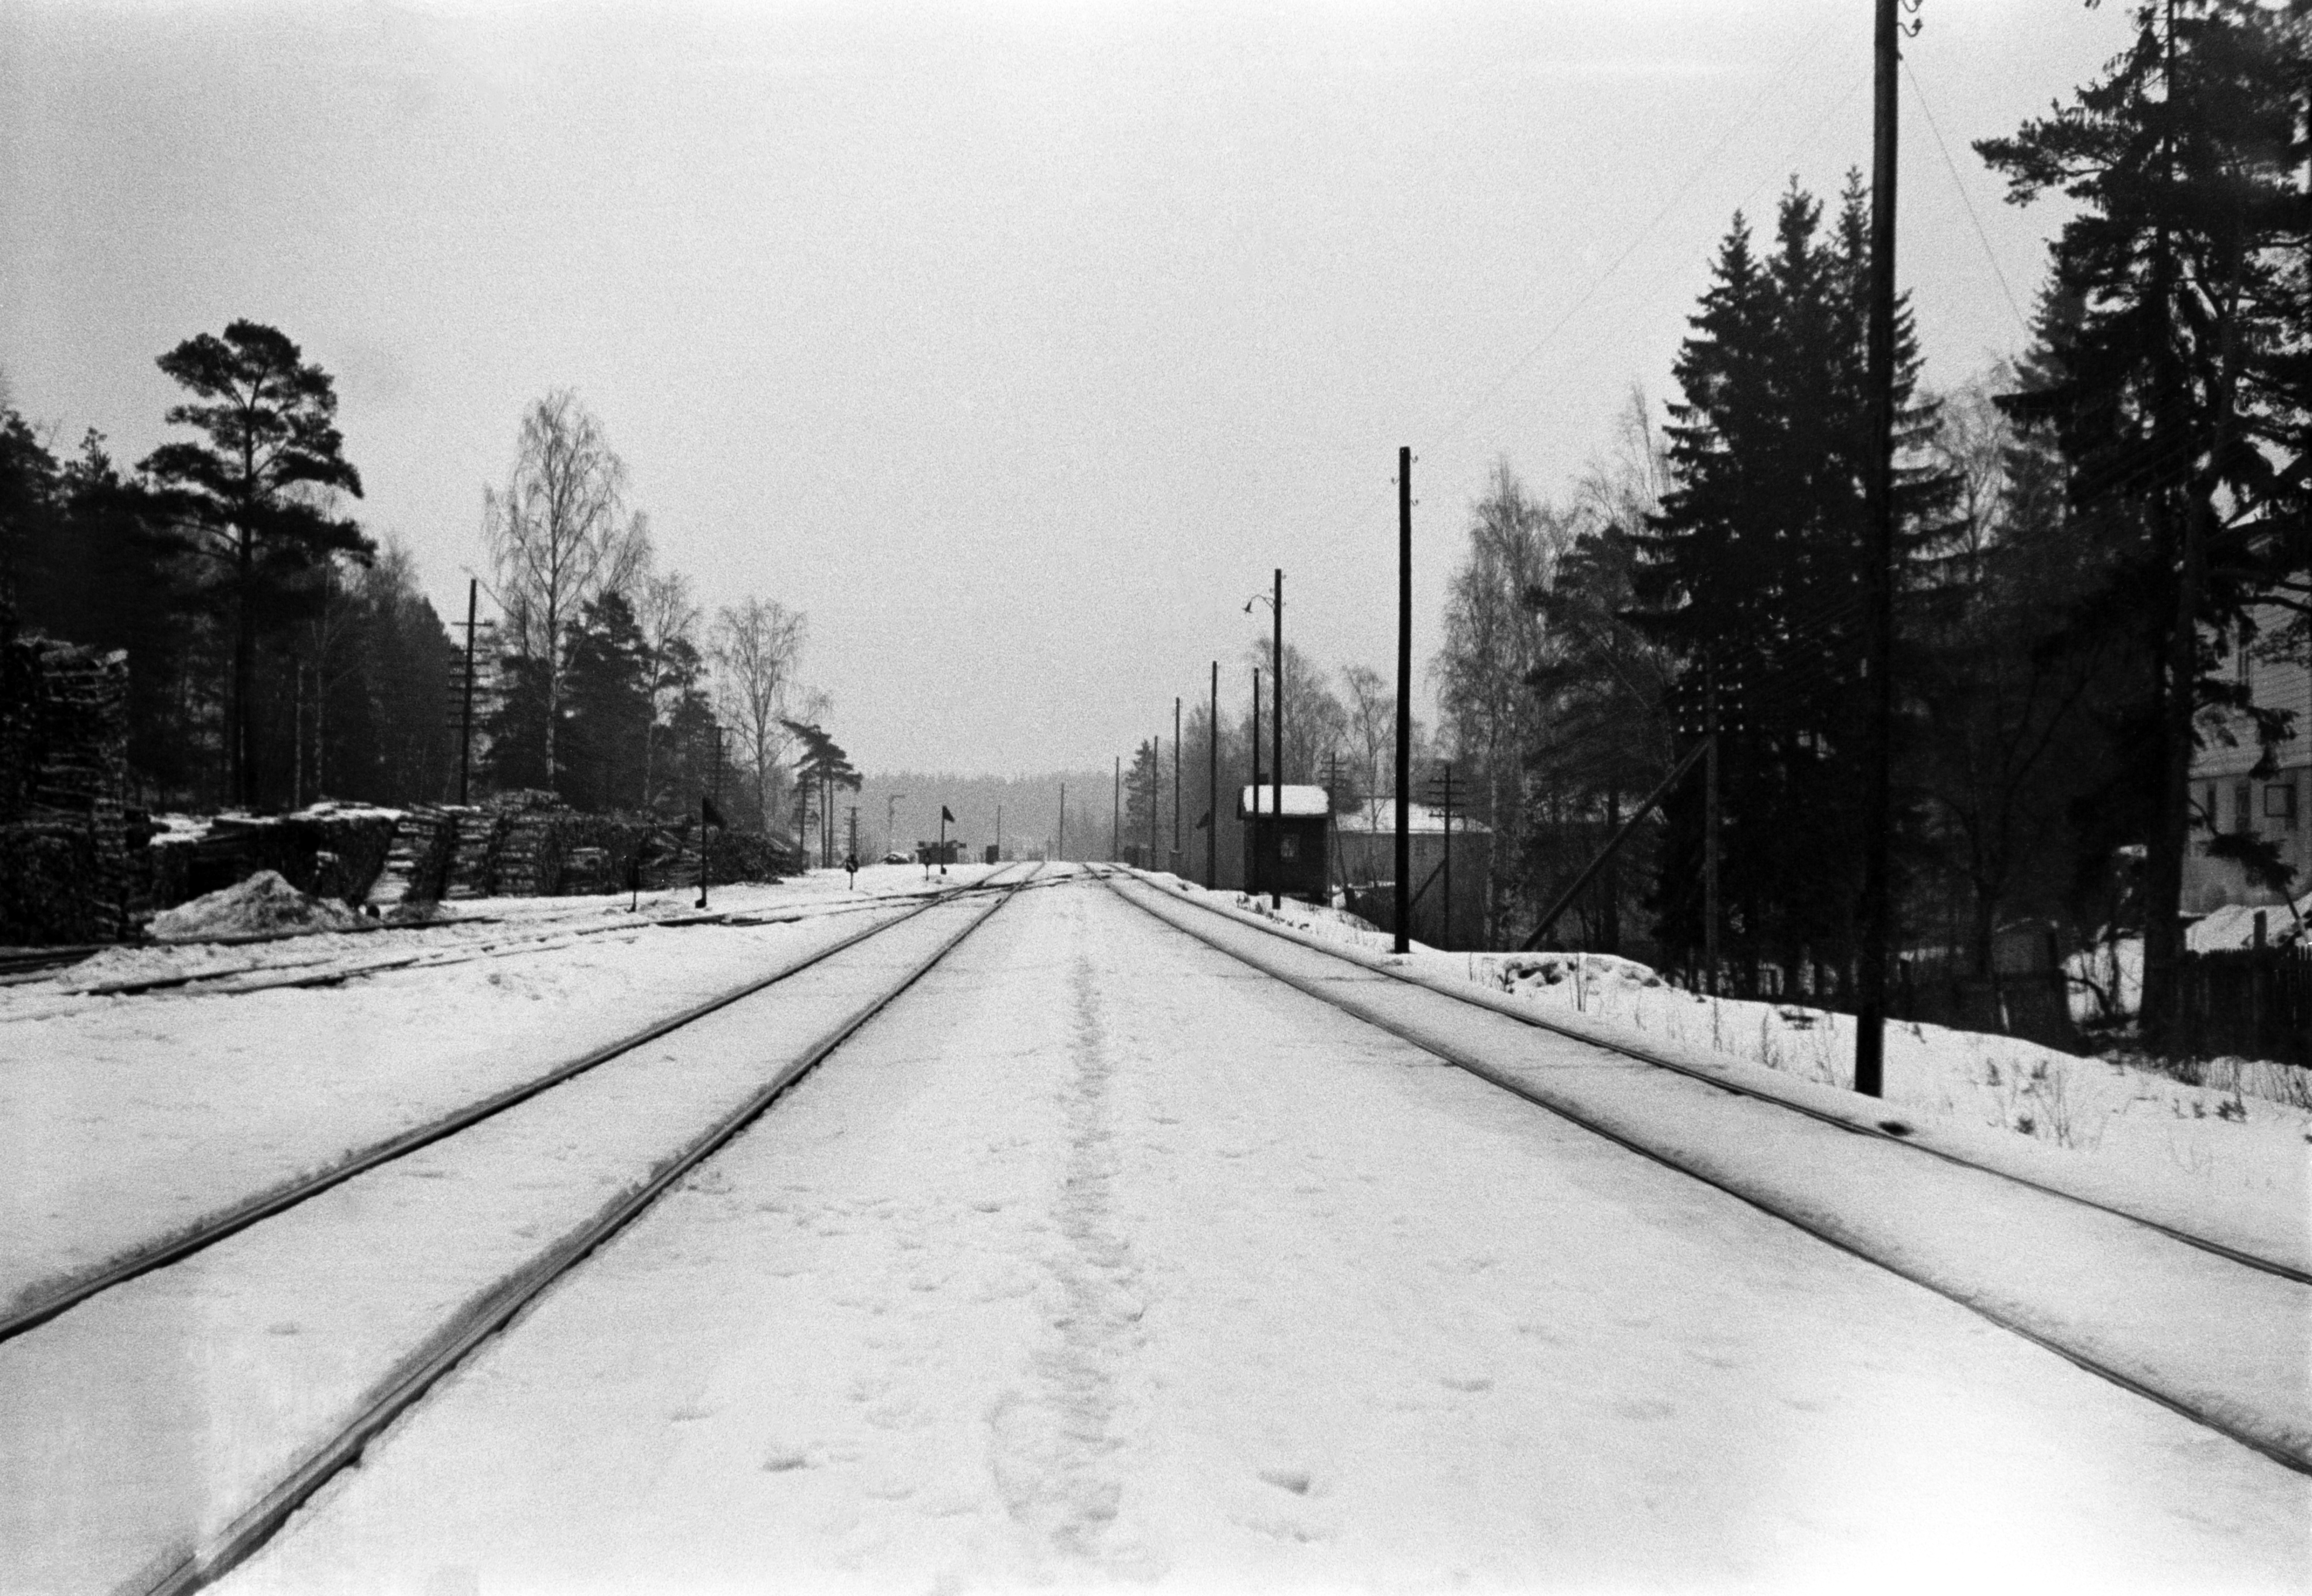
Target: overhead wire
1694	176
1919	93
1791	64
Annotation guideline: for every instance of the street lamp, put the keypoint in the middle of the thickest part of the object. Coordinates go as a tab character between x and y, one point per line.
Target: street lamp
1276	722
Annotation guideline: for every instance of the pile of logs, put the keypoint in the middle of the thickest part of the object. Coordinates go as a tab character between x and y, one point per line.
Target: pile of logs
65	870
76	867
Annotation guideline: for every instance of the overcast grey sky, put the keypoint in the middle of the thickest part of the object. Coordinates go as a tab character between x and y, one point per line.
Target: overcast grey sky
1015	343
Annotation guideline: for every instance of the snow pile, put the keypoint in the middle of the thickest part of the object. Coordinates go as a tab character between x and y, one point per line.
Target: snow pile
2233	925
263	905
1550	970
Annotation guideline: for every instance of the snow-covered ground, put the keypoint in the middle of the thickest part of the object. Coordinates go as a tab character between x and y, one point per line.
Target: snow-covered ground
1101	1261
145	1417
1098	1260
2234	1164
124	1119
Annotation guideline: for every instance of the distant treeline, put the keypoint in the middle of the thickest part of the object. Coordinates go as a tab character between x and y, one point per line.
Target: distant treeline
279	653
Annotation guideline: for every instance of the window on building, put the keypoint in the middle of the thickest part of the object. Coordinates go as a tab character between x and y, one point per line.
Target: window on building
2280	804
2242	816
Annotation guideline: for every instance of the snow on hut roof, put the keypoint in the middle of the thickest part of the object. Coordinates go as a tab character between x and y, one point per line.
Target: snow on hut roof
1378	816
1298	801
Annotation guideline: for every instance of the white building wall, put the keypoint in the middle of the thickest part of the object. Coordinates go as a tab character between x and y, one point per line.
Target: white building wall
2228	798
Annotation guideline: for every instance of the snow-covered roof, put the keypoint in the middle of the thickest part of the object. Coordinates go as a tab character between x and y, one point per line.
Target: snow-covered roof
1378	816
1298	801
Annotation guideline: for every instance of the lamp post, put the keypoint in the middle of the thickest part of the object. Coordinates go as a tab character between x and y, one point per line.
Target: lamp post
1277	722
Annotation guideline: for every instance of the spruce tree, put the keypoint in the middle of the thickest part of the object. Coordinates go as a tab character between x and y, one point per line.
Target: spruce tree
606	703
1753	568
2180	388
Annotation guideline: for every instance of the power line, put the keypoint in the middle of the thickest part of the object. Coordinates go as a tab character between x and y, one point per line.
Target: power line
1919	93
1797	60
1694	176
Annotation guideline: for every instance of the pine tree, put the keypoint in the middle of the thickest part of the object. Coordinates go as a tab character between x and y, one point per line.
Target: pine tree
248	498
2180	389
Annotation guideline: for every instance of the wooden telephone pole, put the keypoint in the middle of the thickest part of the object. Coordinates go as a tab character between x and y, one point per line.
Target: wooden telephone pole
1403	695
1878	573
1213	787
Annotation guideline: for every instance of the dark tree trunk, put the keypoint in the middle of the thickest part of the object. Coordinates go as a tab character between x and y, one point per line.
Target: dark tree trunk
2163	861
242	732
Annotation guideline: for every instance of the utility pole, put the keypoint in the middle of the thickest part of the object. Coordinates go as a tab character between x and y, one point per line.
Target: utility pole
1276	740
1252	881
466	722
1213	787
1155	765
1333	874
1879	573
1404	695
1710	827
1177	860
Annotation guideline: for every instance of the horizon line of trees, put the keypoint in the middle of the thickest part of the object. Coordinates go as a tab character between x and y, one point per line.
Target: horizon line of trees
278	654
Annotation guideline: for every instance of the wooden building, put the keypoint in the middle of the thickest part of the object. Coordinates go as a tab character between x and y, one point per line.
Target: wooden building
1291	843
1365	837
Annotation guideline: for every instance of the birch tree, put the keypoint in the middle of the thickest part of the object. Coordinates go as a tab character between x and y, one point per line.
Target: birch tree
669	617
559	536
1494	642
757	644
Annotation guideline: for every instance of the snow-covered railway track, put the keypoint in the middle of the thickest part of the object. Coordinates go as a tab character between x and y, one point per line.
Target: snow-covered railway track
2158	1312
1880	1128
330	969
403	1279
167	1251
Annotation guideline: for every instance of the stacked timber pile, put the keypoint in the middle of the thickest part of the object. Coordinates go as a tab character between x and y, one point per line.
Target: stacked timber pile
331	850
416	872
65	870
733	855
527	861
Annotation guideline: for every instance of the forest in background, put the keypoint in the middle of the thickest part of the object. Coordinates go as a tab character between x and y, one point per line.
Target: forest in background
278	653
2089	541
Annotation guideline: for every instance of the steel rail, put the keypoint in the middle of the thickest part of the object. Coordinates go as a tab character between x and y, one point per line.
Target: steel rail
497	1307
330	968
1510	1083
264	1205
1880	1131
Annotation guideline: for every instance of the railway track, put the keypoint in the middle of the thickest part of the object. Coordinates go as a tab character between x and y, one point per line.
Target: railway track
337	967
263	1206
167	1561
1893	1131
2289	1444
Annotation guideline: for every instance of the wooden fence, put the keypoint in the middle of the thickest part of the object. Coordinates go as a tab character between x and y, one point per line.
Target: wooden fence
2255	1002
